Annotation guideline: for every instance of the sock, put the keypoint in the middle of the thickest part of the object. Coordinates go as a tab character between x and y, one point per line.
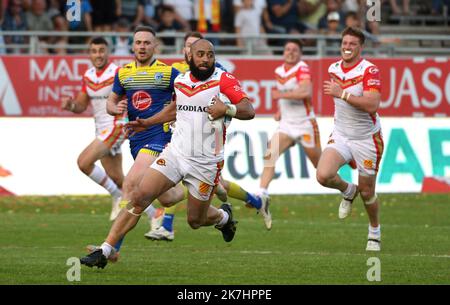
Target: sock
349	191
263	191
100	177
375	231
167	222
237	192
224	219
119	244
150	211
106	249
254	201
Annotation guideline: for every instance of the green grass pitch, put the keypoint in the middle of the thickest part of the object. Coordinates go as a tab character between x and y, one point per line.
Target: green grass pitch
308	244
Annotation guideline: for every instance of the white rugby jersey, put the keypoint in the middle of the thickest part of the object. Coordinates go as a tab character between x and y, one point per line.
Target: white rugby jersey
348	120
195	138
98	86
293	111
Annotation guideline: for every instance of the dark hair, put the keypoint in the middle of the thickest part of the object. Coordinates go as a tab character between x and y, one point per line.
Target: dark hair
296	41
352	15
144	28
166	8
354	32
193	34
98	40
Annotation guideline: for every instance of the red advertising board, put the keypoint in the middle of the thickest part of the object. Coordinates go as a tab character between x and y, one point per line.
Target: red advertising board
32	86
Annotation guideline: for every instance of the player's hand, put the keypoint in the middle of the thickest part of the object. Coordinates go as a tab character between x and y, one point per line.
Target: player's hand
66	102
138	125
217	110
277	116
121	107
276	95
332	88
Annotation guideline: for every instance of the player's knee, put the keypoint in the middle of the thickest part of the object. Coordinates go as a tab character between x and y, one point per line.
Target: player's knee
84	166
323	178
367	194
194	222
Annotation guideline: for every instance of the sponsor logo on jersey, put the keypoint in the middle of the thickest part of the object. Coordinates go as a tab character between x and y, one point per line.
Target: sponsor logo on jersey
373	70
141	100
373	82
192	108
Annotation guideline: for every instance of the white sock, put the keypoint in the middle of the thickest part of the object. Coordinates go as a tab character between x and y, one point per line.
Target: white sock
224	219
349	191
375	231
106	249
100	177
150	211
263	191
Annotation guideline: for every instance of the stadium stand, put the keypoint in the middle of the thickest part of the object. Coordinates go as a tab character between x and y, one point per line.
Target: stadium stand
42	27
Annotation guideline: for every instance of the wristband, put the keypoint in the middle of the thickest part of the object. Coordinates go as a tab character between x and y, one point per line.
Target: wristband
343	95
347	97
231	110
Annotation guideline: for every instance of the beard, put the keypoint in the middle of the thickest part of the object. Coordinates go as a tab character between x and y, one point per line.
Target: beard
201	75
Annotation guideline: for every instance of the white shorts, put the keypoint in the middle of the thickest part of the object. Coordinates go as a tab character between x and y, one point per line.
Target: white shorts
113	137
306	133
366	152
200	179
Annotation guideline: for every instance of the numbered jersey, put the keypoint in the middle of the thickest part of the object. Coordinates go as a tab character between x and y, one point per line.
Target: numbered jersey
293	111
195	138
350	121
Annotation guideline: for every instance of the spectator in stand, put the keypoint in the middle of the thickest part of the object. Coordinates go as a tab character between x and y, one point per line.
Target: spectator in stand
121	44
151	8
248	21
2	13
396	9
39	20
55	11
352	20
184	12
104	14
85	24
332	6
437	7
133	10
310	11
168	24
15	20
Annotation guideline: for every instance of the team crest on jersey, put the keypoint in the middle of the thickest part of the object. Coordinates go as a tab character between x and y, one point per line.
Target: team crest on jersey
159	77
141	100
368	164
373	70
307	138
161	162
203	188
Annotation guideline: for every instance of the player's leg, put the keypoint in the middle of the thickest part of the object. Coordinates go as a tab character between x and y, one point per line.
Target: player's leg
237	192
200	212
371	204
329	163
277	145
98	150
152	184
169	199
113	168
312	147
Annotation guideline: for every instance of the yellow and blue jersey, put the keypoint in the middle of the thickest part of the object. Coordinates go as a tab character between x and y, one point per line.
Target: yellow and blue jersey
148	89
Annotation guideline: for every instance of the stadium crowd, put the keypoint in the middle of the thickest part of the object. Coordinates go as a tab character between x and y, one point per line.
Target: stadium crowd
225	16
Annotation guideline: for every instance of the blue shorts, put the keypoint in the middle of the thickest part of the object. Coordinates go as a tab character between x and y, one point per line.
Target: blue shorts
153	146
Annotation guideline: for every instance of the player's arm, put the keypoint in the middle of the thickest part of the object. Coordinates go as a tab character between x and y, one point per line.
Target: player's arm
77	105
114	105
302	91
168	114
243	110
